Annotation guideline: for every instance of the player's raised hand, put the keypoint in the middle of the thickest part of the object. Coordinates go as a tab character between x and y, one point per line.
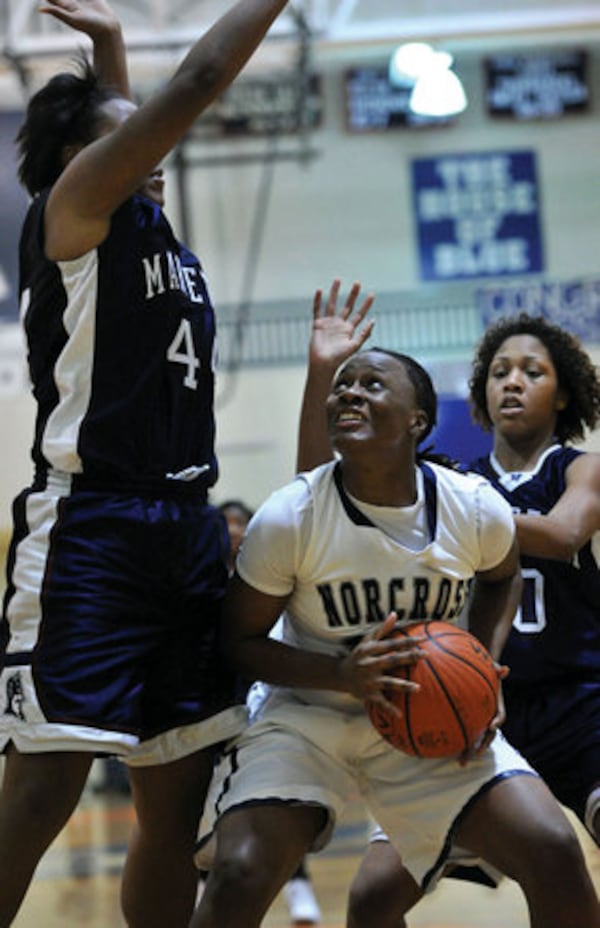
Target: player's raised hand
92	17
371	665
338	334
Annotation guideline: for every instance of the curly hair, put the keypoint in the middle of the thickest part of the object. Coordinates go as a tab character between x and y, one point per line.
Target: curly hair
66	111
575	372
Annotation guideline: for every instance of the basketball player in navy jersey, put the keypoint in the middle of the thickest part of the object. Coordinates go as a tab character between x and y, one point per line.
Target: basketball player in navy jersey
537	389
346	551
117	565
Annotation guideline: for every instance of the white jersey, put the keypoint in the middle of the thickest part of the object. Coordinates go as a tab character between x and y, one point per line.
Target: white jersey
346	565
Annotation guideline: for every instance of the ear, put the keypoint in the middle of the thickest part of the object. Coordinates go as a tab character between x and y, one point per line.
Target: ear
419	424
562	399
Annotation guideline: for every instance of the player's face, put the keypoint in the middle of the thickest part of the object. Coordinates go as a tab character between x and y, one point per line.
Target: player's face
372	400
114	113
237	520
522	390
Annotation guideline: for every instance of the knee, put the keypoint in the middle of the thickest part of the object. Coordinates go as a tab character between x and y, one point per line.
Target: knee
556	854
239	875
377	898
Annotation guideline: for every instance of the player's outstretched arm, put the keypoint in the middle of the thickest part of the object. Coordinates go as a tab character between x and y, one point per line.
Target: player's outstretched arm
103	174
96	19
335	336
575	518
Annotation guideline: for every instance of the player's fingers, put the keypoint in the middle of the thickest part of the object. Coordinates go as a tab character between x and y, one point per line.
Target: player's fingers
364	333
317	299
382	646
399	683
333	297
380	700
486	740
350	301
502	670
363	309
390	660
386	627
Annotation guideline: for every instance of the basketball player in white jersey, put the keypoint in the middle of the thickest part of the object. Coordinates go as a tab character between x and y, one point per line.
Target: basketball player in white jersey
347	550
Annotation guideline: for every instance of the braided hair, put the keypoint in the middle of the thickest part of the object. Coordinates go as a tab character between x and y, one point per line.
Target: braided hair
575	372
66	111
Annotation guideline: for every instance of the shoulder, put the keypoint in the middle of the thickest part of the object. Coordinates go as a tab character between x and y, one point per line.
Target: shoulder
582	467
450	480
474	494
287	504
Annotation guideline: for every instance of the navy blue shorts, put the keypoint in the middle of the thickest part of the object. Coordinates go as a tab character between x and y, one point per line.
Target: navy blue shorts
112	616
557	728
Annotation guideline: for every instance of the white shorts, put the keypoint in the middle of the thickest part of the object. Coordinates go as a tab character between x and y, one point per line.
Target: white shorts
473	869
320	756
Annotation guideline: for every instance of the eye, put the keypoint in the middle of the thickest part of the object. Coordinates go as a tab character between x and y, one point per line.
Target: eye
498	372
340	385
374	383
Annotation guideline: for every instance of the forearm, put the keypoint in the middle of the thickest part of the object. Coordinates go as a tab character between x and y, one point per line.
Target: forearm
108	171
492	608
544	536
275	662
215	60
313	441
110	60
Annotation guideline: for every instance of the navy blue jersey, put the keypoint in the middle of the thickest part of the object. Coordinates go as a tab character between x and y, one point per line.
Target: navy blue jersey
120	348
556	632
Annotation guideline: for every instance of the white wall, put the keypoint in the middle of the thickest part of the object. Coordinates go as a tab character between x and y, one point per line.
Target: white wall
349	213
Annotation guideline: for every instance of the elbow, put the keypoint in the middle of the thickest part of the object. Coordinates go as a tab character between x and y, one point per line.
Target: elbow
199	86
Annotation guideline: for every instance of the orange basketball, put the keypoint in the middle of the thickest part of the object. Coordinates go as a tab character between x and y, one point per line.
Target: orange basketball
458	697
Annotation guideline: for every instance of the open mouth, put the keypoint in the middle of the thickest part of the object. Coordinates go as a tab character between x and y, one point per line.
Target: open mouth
511	408
349	418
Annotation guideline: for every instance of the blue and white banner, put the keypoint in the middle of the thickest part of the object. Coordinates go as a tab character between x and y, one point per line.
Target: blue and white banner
477	215
572	304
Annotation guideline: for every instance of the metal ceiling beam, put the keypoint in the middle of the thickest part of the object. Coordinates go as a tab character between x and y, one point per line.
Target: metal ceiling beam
173	23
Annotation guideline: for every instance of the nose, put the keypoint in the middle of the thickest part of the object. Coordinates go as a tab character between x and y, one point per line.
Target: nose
351	392
514	379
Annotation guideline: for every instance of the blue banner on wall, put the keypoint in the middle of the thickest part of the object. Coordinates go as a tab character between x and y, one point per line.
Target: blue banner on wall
572	304
477	215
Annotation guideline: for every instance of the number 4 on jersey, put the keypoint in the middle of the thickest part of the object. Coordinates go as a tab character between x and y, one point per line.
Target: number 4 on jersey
182	351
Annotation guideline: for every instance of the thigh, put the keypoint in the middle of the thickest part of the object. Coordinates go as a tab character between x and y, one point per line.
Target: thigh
39	793
169	798
515	825
270	760
419	802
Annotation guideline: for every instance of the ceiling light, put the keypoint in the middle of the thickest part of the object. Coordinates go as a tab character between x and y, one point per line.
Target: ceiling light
408	62
438	91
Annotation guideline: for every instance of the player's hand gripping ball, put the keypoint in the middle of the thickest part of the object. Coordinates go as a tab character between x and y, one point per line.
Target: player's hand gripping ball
457	699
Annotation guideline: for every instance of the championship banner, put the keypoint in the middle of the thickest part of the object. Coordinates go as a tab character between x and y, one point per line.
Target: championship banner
477	215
